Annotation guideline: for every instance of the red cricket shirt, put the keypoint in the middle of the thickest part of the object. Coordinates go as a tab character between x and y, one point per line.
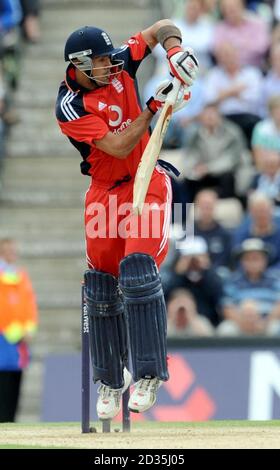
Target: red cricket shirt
86	116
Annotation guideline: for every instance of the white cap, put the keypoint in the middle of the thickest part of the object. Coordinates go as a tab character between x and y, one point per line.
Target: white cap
193	246
253	244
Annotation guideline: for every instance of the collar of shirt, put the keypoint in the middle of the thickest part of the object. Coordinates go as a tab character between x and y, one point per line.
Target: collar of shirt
243	277
275	180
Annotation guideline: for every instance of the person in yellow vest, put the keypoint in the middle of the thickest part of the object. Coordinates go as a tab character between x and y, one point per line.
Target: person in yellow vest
18	322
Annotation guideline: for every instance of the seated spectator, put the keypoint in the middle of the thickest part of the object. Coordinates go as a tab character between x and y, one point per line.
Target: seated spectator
192	270
261	224
10	15
218	238
275	34
263	9
213	153
183	320
254	282
276	9
197	32
267	180
266	134
236	88
211	8
246	30
271	82
250	322
18	322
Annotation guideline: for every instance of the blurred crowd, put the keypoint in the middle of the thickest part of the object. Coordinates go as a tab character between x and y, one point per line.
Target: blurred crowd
224	280
19	24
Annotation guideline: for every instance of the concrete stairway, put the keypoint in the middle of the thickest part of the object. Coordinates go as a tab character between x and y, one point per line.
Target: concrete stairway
41	202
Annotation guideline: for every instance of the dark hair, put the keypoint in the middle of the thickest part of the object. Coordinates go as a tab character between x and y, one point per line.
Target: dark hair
181	291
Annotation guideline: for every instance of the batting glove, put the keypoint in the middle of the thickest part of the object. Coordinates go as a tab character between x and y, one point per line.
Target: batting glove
183	64
156	103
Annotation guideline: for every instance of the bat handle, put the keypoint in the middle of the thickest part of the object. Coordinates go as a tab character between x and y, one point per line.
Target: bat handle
172	95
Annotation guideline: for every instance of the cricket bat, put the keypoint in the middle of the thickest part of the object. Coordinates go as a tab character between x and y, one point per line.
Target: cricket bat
152	150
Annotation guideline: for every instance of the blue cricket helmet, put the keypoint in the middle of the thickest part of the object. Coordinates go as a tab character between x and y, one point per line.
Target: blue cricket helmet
88	41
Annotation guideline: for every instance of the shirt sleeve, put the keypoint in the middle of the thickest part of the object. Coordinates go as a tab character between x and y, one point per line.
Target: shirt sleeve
132	53
257	138
230	296
85	129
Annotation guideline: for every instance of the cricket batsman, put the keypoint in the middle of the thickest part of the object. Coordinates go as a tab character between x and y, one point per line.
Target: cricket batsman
98	108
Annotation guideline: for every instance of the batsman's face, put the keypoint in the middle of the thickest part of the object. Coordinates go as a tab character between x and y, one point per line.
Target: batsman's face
102	69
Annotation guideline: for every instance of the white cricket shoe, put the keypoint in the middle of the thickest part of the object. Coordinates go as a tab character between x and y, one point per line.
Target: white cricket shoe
144	395
109	400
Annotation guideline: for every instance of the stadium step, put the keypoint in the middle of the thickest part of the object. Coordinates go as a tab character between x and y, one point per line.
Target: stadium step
32	198
54	220
46	247
44	172
56	269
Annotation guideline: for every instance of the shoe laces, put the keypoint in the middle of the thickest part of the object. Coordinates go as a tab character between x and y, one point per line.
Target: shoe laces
146	385
106	392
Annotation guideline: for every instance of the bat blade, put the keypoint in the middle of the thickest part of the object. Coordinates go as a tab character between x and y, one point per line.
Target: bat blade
148	161
152	150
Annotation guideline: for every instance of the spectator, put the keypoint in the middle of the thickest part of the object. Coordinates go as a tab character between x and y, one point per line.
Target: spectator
276	9
260	224
218	238
10	17
213	153
30	20
246	30
254	282
250	322
183	318
211	8
197	32
263	9
236	88
271	82
266	134
267	180
275	34
193	271
18	321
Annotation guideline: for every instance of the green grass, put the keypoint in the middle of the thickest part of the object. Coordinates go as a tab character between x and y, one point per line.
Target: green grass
154	424
164	427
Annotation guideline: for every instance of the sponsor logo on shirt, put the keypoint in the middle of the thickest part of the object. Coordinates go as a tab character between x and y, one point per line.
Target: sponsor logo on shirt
116	115
101	106
123	126
115	119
